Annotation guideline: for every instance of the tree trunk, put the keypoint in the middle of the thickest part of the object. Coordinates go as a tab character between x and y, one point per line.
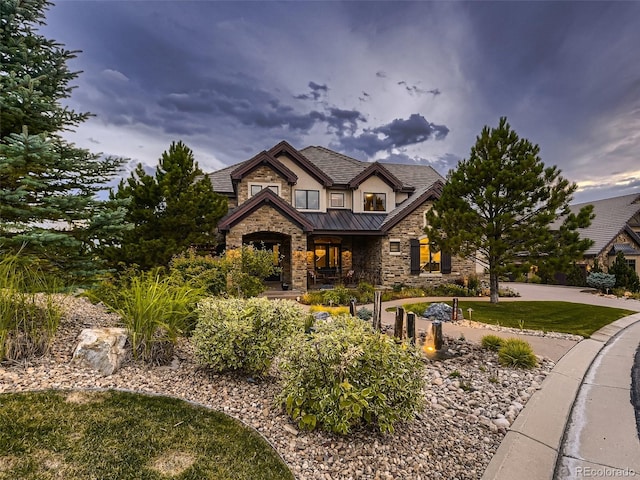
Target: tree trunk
493	287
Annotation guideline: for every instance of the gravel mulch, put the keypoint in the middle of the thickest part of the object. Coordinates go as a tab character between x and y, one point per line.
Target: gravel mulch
470	403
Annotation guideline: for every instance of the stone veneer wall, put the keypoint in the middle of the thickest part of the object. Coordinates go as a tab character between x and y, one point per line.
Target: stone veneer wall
263	174
268	219
367	260
396	268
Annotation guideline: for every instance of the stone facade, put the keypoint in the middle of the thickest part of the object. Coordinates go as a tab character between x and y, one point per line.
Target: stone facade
396	266
605	261
268	219
263	175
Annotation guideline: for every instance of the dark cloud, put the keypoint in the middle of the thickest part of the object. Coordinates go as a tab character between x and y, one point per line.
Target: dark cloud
397	134
381	74
364	97
415	90
317	91
441	163
343	122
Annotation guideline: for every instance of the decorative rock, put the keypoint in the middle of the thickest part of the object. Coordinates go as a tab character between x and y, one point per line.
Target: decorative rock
101	349
440	312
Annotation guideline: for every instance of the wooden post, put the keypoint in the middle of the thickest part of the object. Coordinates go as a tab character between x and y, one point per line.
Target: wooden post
436	330
377	311
454	312
352	307
397	328
411	327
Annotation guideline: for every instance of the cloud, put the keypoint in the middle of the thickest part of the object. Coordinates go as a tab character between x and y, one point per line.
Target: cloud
397	134
381	74
415	90
441	163
343	122
317	91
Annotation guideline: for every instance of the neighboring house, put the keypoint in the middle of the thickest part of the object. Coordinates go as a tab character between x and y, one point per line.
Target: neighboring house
615	228
331	218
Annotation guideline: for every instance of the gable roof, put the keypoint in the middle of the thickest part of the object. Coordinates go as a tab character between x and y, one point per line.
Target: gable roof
263	158
376	169
265	197
286	149
611	218
430	192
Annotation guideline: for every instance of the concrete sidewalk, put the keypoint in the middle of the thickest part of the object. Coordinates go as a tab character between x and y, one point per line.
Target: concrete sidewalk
581	423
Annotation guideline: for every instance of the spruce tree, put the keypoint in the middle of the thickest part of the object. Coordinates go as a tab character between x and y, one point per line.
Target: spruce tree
49	209
171	211
498	206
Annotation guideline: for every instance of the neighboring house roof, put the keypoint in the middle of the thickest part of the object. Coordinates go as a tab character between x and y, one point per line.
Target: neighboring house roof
611	218
265	197
346	221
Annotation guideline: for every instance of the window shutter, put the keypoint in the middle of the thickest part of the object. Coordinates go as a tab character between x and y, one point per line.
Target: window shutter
445	261
414	247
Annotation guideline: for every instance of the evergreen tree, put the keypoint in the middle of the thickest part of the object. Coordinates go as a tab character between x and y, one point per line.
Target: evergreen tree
171	211
626	277
498	205
48	187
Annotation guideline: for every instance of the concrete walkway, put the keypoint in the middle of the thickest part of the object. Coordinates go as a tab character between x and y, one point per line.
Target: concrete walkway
581	423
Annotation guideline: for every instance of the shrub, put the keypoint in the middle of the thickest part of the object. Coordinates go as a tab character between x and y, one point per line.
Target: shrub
333	311
345	376
29	317
516	353
365	292
601	281
626	277
312	298
492	342
201	271
155	312
364	314
244	334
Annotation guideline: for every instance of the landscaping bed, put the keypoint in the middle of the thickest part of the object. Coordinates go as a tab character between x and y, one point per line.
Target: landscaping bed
470	401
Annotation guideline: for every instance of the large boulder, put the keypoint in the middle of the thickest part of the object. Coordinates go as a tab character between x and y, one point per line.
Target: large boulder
102	349
440	312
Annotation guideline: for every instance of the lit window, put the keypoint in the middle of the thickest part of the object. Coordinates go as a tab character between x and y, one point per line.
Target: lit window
394	246
375	202
308	199
337	200
429	259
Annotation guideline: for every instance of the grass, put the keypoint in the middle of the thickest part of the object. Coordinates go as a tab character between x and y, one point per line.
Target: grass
87	435
562	317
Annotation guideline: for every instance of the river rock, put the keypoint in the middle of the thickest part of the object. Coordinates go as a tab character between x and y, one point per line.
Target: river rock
101	349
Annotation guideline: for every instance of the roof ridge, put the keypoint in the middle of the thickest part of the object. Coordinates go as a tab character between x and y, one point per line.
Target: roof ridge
345	157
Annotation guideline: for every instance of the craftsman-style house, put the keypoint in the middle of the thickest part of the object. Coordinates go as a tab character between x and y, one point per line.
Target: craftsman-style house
330	218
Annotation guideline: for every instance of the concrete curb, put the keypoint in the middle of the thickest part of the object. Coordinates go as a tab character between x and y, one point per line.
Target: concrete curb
531	447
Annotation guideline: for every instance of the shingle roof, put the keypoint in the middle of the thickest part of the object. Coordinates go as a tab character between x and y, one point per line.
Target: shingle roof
612	216
420	196
346	221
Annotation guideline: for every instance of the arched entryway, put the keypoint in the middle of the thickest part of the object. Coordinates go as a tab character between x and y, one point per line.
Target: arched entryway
280	245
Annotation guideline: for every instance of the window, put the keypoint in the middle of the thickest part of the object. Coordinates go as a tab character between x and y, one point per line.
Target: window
429	259
394	246
631	263
254	188
337	200
308	199
375	202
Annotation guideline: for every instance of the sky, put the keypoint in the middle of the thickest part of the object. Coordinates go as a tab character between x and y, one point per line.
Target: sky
410	82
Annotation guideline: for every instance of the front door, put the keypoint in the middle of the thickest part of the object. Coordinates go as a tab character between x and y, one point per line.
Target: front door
328	261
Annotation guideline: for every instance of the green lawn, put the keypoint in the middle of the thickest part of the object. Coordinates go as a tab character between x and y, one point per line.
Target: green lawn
89	435
547	316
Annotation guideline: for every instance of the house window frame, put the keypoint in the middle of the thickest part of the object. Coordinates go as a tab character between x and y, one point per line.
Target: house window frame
337	195
275	187
395	242
374	202
425	241
306	191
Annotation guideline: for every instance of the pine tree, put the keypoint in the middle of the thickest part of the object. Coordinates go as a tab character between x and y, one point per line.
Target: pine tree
48	187
626	277
171	211
498	205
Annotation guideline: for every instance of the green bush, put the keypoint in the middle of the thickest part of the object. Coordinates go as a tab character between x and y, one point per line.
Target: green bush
626	277
244	334
601	281
344	376
364	314
29	317
202	271
516	353
337	296
365	292
312	298
492	342
155	312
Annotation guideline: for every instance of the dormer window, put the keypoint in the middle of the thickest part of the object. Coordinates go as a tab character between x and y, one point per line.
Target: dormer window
375	202
307	199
